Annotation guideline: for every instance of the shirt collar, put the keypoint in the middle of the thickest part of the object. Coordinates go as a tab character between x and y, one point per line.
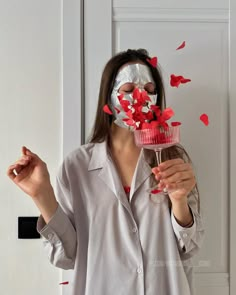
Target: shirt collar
100	155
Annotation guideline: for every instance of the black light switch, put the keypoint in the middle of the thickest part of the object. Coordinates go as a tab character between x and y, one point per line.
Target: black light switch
27	228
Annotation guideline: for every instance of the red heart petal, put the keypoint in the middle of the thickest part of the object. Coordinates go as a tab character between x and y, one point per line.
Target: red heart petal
145	125
181	46
156	191
120	96
125	105
117	110
129	122
204	118
175	81
185	80
153	61
107	110
136	93
154	124
175	124
167	113
64	283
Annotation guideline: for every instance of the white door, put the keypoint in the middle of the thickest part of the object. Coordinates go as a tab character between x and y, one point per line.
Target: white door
160	26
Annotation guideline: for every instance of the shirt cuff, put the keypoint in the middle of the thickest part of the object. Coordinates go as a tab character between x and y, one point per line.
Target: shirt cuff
55	228
183	234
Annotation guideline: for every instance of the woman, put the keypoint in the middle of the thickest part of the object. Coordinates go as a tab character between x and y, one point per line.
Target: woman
116	239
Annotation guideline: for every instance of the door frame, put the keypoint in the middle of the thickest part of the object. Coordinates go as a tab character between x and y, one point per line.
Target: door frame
232	149
72	75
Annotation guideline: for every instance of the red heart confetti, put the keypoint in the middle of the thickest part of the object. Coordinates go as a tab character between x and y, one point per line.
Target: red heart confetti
183	81
64	283
175	124
204	118
107	110
151	125
153	61
142	114
117	110
167	113
156	191
120	96
175	81
181	46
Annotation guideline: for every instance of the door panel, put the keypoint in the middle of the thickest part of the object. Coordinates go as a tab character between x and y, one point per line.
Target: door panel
204	60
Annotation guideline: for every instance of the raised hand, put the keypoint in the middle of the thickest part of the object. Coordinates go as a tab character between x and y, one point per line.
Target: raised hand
30	174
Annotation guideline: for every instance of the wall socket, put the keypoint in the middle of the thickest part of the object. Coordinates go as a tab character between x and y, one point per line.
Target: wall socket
27	227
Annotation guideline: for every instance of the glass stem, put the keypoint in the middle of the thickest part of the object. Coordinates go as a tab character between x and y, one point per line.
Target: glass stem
158	156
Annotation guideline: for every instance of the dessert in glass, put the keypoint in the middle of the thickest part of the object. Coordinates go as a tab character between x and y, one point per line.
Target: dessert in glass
157	139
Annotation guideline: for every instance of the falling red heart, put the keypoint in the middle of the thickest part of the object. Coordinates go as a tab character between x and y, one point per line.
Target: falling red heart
153	61
185	80
117	110
156	191
175	124
107	110
175	81
181	46
204	118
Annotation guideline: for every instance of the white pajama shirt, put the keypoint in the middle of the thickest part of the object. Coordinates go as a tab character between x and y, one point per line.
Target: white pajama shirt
118	246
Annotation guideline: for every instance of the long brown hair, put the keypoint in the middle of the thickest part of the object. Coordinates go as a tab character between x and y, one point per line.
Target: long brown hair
102	125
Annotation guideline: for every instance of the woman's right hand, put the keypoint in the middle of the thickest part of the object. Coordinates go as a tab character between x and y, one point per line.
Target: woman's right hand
30	173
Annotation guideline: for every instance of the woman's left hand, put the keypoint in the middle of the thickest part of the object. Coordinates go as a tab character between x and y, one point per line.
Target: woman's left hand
177	177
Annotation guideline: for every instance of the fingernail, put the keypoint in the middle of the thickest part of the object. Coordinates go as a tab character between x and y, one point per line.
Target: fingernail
158	177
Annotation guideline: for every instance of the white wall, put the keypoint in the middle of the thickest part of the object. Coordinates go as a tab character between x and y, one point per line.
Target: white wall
30	114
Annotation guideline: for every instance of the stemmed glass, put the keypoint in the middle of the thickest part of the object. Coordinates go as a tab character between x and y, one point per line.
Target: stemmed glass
157	139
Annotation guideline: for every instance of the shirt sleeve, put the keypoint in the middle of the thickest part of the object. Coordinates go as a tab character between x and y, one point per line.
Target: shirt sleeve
189	239
59	235
183	234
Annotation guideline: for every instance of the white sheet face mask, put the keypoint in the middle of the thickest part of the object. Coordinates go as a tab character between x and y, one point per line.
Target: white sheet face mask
138	74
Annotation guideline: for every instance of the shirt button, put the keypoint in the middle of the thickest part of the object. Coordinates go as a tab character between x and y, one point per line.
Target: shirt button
134	230
139	270
185	235
50	236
